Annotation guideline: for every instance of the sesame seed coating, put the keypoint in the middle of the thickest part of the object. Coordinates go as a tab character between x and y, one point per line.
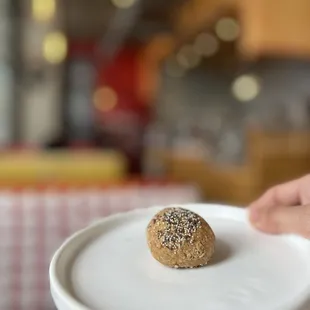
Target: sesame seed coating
180	238
180	226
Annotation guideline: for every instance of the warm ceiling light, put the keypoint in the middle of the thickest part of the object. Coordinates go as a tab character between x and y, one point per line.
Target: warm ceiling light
123	4
227	29
43	10
187	57
55	47
206	45
105	99
246	88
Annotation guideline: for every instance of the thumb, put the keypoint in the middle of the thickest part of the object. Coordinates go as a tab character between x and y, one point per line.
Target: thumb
283	220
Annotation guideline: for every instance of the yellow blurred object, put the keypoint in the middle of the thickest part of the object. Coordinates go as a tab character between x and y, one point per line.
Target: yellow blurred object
55	47
69	167
105	99
43	10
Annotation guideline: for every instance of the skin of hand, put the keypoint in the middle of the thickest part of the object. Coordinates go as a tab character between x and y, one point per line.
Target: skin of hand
284	209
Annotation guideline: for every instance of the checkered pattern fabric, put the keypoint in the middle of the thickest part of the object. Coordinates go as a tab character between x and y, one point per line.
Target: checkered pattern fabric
34	223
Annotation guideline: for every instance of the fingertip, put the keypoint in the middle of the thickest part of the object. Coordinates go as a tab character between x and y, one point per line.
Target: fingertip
256	205
259	219
255	210
253	215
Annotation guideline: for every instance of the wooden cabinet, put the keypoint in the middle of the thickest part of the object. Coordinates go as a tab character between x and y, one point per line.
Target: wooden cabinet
275	28
269	28
272	158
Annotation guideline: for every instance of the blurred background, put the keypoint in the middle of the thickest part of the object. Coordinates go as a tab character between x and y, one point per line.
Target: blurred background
110	105
204	92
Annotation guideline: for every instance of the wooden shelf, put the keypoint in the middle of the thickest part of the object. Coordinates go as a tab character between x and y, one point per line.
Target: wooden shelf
272	158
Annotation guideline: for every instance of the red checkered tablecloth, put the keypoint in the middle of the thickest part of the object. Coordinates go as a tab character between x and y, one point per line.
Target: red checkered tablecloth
34	223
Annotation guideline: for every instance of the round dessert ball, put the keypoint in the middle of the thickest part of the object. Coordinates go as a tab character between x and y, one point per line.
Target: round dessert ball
180	238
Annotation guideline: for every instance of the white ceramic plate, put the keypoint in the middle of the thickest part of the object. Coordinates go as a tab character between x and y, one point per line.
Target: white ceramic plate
107	266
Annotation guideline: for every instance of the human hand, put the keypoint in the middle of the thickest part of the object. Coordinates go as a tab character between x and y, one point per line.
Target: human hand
284	209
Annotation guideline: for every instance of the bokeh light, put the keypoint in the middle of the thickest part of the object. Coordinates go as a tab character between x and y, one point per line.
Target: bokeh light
105	99
246	88
187	57
227	29
55	47
206	45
